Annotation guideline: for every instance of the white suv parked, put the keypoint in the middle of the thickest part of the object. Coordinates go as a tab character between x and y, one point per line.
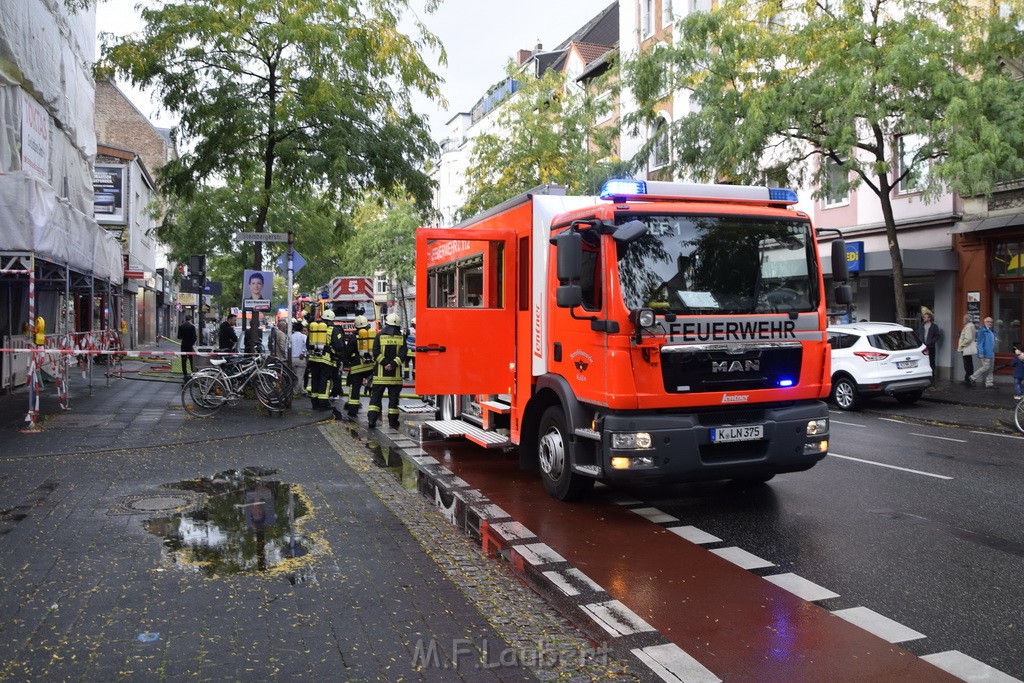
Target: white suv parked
877	359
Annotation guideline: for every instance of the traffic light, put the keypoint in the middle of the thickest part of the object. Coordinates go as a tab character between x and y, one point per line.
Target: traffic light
197	264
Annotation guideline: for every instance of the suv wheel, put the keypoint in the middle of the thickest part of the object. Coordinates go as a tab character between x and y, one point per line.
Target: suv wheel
844	394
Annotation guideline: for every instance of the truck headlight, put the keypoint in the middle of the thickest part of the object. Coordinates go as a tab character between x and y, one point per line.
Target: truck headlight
817	427
631	440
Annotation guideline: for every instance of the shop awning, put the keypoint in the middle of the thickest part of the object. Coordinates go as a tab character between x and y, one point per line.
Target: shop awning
989	223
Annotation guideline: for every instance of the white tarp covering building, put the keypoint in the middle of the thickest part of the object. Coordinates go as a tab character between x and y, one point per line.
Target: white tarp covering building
55	260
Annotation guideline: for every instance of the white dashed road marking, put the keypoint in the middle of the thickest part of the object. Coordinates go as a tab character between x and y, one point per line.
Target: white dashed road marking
616	618
932	436
694	535
801	587
1005	436
968	668
848	424
891	467
672	664
655	515
741	558
883	627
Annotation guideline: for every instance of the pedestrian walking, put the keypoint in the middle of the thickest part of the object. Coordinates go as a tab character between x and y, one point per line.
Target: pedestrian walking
968	345
227	338
359	361
986	355
298	349
389	354
1018	371
277	345
930	334
187	335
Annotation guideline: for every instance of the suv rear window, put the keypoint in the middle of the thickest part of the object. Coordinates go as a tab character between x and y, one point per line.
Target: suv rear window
897	340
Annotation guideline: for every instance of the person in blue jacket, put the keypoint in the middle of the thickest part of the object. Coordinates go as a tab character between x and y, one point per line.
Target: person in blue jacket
1018	371
986	354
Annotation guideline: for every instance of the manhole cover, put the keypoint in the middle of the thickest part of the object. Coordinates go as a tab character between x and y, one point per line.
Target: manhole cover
158	502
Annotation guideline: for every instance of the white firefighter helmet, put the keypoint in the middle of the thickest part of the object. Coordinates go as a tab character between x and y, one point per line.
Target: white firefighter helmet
392	319
361	322
327	315
413	322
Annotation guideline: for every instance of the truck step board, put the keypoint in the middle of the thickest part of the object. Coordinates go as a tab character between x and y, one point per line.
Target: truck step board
474	434
416	407
587	434
497	407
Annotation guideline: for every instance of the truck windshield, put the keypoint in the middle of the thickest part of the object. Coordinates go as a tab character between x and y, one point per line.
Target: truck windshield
719	265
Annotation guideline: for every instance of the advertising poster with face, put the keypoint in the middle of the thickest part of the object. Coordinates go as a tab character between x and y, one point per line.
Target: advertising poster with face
257	290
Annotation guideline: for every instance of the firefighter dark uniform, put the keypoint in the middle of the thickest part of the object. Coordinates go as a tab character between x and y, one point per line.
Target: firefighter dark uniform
320	361
358	347
337	347
390	355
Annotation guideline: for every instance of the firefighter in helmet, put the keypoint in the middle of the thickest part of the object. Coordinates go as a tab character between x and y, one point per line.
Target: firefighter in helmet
319	360
357	358
390	355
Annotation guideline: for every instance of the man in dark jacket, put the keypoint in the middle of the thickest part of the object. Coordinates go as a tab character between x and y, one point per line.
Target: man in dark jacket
227	338
187	335
930	335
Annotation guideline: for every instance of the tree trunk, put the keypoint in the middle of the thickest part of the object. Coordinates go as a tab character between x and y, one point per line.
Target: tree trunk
899	295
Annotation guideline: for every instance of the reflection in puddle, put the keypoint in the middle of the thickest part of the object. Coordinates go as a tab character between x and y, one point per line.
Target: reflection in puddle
249	524
402	469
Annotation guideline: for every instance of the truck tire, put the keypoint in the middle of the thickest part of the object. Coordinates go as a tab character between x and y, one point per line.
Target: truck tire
553	453
446	408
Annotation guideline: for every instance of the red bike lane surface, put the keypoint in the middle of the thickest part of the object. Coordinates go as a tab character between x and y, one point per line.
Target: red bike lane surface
732	621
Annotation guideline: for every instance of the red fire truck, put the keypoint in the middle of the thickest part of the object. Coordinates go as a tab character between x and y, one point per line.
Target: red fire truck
659	333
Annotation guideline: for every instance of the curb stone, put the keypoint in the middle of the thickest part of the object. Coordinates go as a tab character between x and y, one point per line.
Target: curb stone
530	626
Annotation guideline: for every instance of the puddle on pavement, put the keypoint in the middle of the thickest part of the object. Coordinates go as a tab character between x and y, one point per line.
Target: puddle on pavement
248	525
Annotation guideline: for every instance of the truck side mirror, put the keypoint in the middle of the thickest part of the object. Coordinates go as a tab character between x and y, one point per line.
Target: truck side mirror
569	252
629	232
844	296
840	268
569	296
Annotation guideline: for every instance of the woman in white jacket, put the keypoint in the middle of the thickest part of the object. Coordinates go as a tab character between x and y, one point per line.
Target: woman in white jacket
968	345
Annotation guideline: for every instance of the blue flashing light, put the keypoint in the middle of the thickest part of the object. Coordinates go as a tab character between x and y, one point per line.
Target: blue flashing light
623	188
785	382
782	194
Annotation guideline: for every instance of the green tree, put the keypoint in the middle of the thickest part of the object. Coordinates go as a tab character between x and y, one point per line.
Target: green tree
278	97
545	134
385	241
781	84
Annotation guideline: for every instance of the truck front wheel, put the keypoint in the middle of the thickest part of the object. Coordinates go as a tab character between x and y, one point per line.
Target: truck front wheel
553	450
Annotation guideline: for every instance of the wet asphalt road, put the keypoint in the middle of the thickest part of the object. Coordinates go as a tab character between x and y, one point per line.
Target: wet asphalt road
943	556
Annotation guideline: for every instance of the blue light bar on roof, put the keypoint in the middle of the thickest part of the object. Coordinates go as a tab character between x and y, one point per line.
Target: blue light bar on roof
623	188
782	194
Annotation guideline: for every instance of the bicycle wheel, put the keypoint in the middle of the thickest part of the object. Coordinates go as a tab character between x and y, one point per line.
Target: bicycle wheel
1019	415
272	389
203	395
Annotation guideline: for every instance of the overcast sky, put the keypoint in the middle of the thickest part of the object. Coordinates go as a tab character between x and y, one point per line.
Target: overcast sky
480	36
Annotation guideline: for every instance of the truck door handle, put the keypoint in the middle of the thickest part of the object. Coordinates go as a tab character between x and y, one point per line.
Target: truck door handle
432	347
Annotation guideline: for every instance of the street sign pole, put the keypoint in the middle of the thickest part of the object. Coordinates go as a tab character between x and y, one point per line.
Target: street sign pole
291	264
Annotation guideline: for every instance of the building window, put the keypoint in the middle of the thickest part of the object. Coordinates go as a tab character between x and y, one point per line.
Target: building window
1008	259
380	285
660	144
908	147
837	190
646	18
666	12
603	108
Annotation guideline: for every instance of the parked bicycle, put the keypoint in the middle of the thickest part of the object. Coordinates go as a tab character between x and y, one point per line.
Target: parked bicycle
1018	415
225	383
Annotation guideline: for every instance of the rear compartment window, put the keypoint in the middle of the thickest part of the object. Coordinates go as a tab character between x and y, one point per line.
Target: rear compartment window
897	340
